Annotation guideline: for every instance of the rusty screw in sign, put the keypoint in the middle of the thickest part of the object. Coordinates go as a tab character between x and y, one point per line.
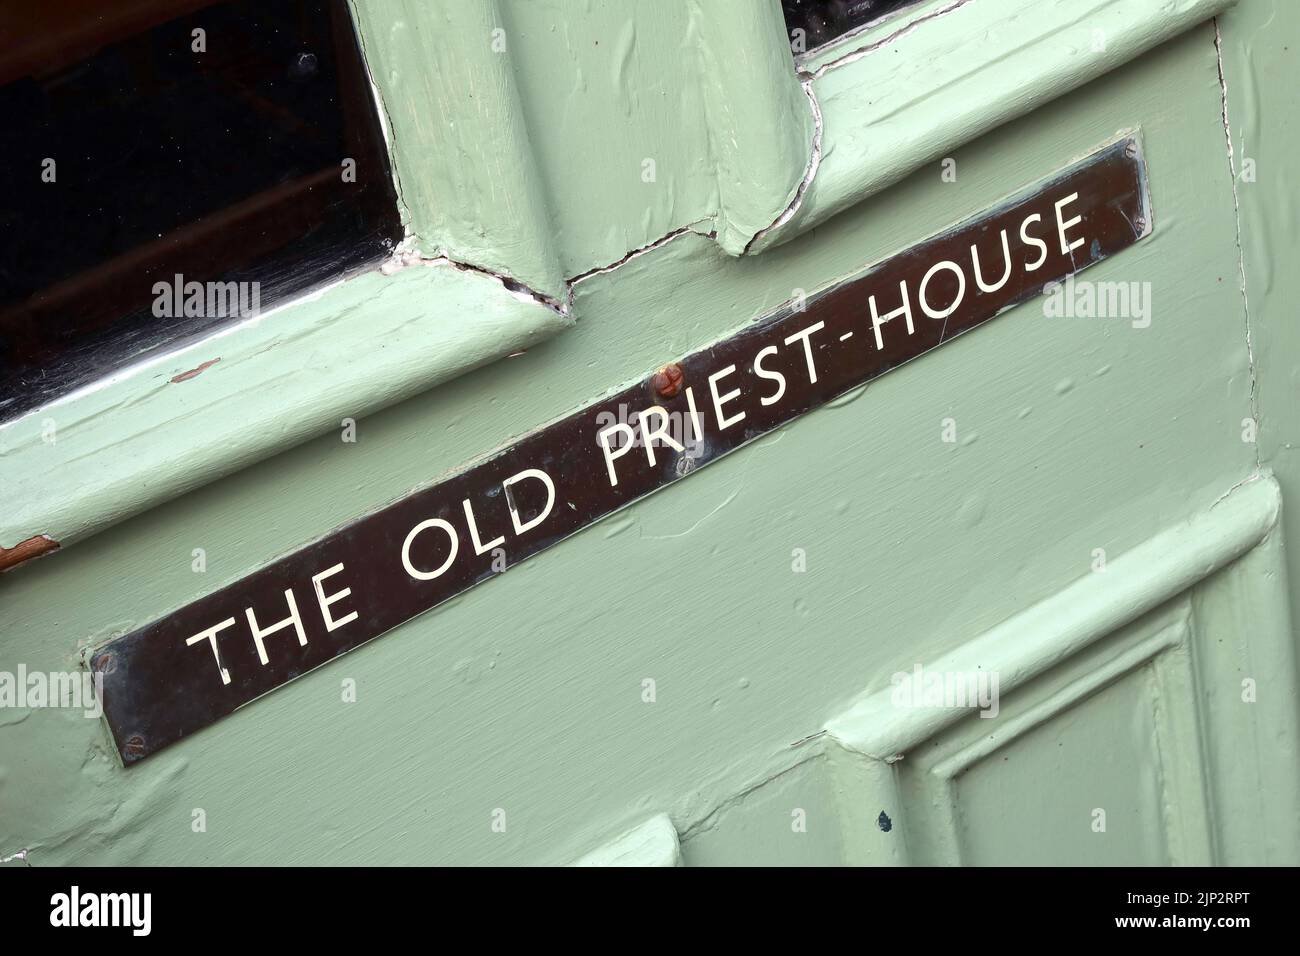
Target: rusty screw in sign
667	381
134	746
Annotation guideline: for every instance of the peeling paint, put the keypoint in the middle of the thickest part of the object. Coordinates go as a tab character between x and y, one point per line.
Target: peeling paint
490	213
514	286
34	547
408	255
76	812
196	371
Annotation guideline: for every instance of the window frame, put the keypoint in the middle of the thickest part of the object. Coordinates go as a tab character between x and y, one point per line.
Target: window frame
802	139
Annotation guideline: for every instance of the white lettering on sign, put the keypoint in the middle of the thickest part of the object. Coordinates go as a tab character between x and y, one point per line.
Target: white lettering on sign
1029	240
1061	225
411	569
805	336
538	475
961	288
905	310
937	300
432	546
771	376
323	600
660	431
719	400
294	618
210	635
411	555
620	428
326	600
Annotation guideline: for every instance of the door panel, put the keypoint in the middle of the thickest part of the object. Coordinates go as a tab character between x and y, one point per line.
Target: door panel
1115	740
709	676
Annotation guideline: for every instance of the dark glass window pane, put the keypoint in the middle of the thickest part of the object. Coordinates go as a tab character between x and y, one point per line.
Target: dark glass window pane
823	20
142	140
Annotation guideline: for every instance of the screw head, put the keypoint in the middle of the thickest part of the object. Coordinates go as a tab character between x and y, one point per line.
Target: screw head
667	382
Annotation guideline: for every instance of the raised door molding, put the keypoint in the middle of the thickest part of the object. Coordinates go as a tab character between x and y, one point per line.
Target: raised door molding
910	90
1162	692
1149	658
652	843
504	217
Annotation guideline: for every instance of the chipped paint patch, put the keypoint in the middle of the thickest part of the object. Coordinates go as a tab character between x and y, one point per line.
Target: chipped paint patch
24	551
408	255
198	370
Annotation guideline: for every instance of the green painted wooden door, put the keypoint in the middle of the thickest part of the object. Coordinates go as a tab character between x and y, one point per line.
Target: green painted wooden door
1081	516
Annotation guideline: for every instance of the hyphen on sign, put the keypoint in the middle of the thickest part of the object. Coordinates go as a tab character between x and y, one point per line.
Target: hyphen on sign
182	672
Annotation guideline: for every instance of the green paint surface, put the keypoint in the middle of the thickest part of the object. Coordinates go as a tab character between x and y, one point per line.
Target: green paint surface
526	695
1261	59
185	419
542	139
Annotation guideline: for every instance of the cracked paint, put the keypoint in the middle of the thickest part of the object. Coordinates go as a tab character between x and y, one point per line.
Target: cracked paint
1241	256
810	171
385	126
859	52
708	817
639	251
407	256
808	739
806	81
1255	476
